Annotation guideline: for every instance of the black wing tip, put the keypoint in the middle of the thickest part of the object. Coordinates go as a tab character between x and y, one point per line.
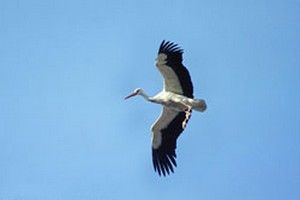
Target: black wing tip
169	47
163	163
174	60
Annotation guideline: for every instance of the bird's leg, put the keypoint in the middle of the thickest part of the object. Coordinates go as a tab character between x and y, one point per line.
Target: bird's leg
188	112
183	107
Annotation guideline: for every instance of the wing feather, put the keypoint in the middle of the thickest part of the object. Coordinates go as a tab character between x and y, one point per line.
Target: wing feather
176	77
165	132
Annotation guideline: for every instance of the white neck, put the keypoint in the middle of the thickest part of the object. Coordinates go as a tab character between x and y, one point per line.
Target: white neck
143	94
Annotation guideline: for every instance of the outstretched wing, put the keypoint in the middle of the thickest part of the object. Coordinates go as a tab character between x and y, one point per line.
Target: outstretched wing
176	76
165	132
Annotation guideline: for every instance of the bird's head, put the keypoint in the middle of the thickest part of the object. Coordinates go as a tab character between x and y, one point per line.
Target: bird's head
136	92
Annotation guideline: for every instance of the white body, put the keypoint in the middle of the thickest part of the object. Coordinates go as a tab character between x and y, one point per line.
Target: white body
178	102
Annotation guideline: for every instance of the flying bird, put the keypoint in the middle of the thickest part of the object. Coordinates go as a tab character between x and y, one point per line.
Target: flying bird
177	101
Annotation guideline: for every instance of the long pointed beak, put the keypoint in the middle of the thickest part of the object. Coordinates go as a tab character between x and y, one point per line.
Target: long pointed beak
131	95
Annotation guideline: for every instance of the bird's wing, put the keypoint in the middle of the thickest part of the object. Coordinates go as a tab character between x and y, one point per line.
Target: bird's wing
176	76
165	132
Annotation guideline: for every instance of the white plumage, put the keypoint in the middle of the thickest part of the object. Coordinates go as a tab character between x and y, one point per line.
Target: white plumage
178	103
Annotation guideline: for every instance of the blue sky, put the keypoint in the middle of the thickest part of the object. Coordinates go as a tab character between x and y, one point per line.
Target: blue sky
66	133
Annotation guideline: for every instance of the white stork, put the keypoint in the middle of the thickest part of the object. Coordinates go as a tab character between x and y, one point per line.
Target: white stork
178	103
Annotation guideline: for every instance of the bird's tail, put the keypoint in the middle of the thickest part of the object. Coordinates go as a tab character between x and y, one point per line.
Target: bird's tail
199	105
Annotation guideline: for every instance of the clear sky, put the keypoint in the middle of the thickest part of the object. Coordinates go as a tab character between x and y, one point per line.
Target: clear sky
67	133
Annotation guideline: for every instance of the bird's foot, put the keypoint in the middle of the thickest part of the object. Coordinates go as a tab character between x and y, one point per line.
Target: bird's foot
188	112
